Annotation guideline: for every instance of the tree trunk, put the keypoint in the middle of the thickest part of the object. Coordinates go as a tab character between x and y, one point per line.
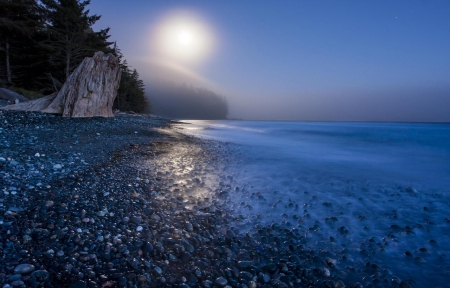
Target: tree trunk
67	66
67	58
8	65
88	92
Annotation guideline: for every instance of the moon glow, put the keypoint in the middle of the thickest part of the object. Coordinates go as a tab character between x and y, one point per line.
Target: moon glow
183	37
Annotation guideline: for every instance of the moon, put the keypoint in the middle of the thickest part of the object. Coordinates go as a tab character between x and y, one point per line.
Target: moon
183	37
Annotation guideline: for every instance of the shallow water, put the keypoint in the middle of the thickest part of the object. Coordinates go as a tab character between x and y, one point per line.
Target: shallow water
369	192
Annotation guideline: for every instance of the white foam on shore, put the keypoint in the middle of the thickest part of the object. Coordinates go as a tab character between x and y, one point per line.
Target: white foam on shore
369	192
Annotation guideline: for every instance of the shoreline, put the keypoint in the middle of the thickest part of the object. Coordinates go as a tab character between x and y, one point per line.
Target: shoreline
114	216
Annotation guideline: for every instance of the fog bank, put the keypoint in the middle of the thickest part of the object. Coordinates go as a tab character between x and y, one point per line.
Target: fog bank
395	104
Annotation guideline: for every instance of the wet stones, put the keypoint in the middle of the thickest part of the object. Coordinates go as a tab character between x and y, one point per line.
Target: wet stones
90	219
330	262
221	282
157	270
136	220
148	248
40	275
24	268
189	227
245	264
224	195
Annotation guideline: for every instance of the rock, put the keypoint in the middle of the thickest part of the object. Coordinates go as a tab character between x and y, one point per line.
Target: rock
136	220
17	283
186	257
148	248
157	270
15	277
57	166
264	277
141	278
189	227
40	275
245	264
155	218
224	195
221	282
330	261
24	268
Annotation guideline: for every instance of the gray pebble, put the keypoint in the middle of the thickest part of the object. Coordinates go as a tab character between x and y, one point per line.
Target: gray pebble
24	268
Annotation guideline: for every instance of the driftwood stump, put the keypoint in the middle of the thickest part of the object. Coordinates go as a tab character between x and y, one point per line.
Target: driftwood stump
88	92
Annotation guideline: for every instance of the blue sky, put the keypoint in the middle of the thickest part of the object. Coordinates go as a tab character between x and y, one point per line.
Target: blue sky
308	60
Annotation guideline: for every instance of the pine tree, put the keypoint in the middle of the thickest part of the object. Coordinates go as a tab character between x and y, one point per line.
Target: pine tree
71	35
131	94
19	23
42	42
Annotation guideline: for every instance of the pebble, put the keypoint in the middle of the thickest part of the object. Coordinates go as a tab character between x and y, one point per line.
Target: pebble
24	268
157	270
40	275
17	283
112	233
221	282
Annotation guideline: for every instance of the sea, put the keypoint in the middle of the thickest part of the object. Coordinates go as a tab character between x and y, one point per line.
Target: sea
375	193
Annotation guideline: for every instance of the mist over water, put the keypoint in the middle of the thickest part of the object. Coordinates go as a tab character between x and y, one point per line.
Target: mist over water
370	192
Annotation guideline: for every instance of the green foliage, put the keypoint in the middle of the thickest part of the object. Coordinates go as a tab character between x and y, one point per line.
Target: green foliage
42	42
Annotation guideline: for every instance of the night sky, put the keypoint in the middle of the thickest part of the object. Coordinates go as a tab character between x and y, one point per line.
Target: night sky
300	60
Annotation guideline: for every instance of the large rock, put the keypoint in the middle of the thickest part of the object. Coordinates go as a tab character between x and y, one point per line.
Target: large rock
88	92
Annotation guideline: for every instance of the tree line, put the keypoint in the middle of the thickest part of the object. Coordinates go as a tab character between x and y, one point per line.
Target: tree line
42	42
183	101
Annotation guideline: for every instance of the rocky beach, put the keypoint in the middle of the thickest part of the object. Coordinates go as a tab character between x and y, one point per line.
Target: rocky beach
129	202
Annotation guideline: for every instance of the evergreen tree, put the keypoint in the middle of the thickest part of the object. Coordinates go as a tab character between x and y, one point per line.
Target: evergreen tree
42	42
71	36
131	94
19	23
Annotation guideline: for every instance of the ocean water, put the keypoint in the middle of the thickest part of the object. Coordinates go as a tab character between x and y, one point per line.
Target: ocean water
369	192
